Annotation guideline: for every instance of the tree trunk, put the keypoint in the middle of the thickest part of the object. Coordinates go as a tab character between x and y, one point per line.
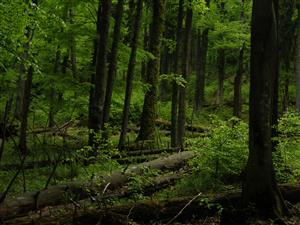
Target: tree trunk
25	112
221	76
101	72
26	95
130	73
53	94
297	62
201	69
174	108
237	101
260	187
113	61
221	62
56	195
147	121
185	73
73	56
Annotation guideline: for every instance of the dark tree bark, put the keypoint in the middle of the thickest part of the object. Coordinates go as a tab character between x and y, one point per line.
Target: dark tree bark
221	62
130	73
95	121
147	129
93	68
185	73
26	94
201	68
53	94
25	111
260	187
174	108
237	98
73	56
221	76
113	61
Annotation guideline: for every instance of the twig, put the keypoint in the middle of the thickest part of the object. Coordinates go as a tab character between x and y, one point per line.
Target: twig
193	199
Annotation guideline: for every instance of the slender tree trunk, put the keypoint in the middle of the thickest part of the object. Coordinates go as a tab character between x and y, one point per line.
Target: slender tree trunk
286	98
113	61
174	108
221	76
144	64
93	70
237	99
147	121
25	111
221	61
101	71
260	187
130	73
185	73
26	95
201	69
53	94
73	56
297	63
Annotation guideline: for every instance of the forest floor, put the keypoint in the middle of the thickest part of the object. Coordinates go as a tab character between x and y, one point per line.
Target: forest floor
55	162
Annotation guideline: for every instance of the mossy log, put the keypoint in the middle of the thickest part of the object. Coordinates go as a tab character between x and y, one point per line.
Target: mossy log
145	212
62	194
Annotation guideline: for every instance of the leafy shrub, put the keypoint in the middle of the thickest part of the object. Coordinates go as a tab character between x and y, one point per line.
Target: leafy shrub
224	152
287	155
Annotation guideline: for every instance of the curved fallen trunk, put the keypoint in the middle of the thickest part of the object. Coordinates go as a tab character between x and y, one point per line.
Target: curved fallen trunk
62	194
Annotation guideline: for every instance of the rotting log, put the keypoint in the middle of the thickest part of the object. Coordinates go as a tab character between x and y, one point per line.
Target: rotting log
152	210
62	194
135	156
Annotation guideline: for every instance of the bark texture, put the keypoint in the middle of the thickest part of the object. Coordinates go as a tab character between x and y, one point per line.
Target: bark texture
185	74
130	73
174	108
260	187
96	116
147	130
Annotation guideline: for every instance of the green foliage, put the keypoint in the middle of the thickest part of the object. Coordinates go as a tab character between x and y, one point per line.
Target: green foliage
286	157
224	151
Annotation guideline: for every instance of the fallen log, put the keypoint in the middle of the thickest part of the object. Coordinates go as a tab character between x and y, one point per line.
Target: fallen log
145	212
164	124
124	158
62	194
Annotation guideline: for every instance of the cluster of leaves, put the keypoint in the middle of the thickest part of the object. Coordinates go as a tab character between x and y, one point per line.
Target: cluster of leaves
224	151
286	157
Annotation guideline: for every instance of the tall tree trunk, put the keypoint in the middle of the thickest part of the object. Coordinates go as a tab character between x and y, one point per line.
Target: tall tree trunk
101	72
113	61
93	69
201	69
147	121
297	62
174	108
260	187
73	56
221	76
26	94
185	73
130	73
25	111
52	99
237	98
221	61
144	64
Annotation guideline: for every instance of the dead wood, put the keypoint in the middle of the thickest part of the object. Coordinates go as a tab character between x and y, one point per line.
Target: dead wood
62	194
